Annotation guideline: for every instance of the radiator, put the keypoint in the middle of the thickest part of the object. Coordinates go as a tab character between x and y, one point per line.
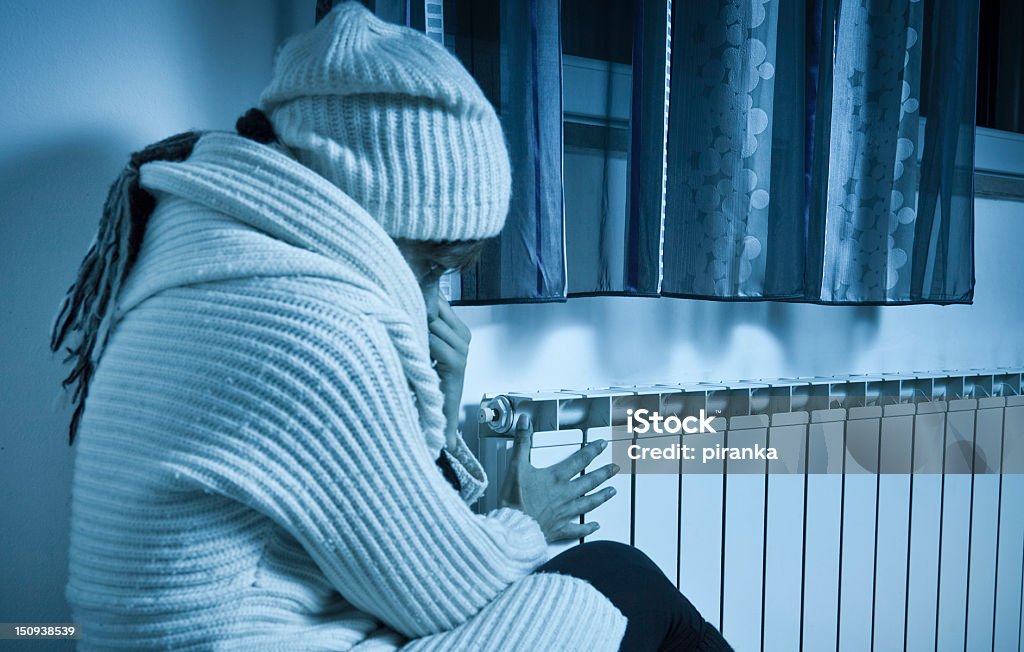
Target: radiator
892	520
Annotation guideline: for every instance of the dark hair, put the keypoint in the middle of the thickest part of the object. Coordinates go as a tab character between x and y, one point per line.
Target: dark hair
449	254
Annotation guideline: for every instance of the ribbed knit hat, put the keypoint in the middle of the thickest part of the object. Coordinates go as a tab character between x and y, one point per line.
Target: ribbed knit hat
395	121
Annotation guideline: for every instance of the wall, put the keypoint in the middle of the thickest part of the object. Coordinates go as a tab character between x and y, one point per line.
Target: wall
86	84
93	81
602	341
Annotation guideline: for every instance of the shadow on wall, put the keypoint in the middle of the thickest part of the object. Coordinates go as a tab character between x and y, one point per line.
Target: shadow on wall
696	334
53	196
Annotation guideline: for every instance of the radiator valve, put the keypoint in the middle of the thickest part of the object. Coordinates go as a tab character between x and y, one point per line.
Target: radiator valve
498	414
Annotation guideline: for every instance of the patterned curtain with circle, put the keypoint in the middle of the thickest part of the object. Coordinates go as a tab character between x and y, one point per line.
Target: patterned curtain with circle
797	168
815	151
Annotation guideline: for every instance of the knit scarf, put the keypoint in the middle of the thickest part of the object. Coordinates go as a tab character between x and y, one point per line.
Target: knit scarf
264	214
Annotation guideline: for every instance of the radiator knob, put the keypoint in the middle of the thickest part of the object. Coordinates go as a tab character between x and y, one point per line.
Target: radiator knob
499	414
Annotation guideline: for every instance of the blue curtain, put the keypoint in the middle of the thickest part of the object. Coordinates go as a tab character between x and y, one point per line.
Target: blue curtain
513	50
764	149
768	93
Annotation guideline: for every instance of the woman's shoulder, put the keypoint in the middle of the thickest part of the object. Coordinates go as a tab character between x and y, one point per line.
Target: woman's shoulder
208	366
283	337
305	309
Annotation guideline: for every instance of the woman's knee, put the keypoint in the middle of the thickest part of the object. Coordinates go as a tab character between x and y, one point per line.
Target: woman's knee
607	549
658	613
603	555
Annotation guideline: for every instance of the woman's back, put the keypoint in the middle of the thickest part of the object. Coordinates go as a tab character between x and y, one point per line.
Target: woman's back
158	554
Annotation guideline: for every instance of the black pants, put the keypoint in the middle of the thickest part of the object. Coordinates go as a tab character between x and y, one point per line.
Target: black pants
660	617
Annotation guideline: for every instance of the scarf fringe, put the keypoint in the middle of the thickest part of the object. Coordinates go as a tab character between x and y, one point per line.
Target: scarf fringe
91	302
88	305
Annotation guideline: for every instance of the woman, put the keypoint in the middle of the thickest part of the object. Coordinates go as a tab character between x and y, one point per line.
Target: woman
269	383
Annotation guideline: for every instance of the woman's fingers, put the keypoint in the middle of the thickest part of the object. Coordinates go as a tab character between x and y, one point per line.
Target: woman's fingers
446	356
446	313
589	481
588	503
523	440
573	530
517	486
579	460
445	332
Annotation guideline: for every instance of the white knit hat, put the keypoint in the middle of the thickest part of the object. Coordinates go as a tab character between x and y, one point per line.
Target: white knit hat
395	121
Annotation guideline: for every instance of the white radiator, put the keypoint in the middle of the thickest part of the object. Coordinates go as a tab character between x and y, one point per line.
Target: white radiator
892	520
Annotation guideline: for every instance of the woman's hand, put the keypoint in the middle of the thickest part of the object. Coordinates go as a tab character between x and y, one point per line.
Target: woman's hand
449	348
550	495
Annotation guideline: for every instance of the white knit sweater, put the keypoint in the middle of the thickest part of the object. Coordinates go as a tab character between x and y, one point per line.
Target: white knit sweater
255	465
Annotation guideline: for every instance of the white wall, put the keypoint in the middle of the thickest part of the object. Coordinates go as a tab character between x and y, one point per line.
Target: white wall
600	341
86	83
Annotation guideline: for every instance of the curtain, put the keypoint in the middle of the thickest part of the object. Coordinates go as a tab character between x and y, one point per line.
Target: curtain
830	93
588	179
513	50
816	150
739	120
